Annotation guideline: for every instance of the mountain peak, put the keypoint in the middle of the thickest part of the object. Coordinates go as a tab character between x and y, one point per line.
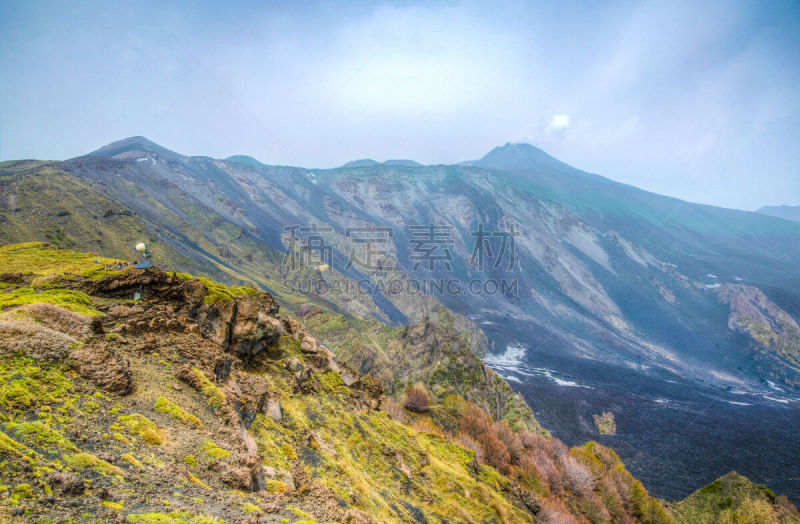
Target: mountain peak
129	147
361	162
519	155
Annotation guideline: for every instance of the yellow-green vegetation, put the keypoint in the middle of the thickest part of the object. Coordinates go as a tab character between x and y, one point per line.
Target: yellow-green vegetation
174	517
275	486
605	423
384	462
214	395
82	461
41	258
164	405
113	505
76	301
138	424
190	460
734	499
21	491
193	478
220	292
130	459
214	451
40	435
26	385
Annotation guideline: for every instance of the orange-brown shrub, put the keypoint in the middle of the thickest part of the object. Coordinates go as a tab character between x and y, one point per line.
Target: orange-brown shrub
533	477
495	452
554	511
536	441
416	399
510	439
468	442
548	468
474	421
395	411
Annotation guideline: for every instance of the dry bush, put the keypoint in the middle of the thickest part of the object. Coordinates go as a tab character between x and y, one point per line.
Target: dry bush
622	482
578	476
554	511
531	475
549	469
495	452
416	399
395	411
34	340
594	509
474	421
465	441
426	426
510	439
559	448
612	499
59	319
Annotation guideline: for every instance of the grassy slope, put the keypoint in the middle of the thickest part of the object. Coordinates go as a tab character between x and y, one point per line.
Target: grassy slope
733	498
52	420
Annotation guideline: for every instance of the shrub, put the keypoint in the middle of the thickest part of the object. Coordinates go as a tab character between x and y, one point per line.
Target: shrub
395	411
416	399
495	452
465	441
532	476
548	468
579	478
605	423
554	511
474	421
510	439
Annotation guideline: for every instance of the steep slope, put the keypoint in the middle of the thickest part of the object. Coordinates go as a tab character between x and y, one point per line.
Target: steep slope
785	212
201	402
733	498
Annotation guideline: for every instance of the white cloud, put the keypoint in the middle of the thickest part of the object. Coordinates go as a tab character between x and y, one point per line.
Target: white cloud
558	122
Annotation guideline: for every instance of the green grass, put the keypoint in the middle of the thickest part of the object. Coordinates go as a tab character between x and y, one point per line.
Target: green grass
76	301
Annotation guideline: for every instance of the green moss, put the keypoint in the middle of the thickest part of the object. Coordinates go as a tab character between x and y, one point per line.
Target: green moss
164	405
130	459
251	508
9	446
41	258
76	301
214	451
192	478
113	505
174	517
88	461
142	426
213	394
25	385
190	460
40	435
275	486
21	491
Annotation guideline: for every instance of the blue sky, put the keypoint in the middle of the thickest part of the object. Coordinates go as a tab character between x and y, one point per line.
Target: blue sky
698	100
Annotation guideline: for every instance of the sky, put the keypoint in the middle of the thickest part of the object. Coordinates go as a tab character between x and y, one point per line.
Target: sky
697	100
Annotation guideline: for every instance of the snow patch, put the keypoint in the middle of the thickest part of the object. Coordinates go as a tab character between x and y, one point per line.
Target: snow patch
510	358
